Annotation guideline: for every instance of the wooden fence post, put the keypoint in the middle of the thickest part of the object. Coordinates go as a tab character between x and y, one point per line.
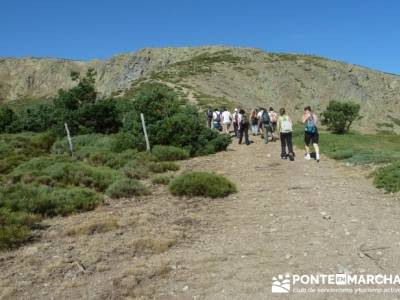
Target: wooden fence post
71	148
145	132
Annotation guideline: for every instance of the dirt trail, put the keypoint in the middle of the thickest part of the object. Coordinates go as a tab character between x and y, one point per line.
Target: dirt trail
298	217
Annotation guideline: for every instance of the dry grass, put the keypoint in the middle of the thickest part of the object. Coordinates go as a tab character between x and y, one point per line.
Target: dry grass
137	282
93	226
152	246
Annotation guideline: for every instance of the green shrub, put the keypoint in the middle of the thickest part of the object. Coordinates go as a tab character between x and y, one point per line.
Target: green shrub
201	184
64	171
99	142
126	188
48	201
162	179
36	117
169	153
13	235
128	140
8	217
161	167
388	177
339	116
6	118
9	163
136	170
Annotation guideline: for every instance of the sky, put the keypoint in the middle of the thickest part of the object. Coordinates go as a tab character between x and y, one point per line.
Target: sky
364	32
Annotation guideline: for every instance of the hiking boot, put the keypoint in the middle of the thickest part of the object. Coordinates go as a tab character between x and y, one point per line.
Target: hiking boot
291	156
307	157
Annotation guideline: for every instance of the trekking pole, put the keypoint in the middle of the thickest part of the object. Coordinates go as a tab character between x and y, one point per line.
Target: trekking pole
71	148
145	132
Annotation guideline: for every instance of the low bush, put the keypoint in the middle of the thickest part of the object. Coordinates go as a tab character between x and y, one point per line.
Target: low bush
8	217
64	172
48	201
136	170
169	153
126	188
161	167
13	235
388	177
162	179
201	184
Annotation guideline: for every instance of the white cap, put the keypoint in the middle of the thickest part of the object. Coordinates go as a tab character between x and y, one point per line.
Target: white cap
236	109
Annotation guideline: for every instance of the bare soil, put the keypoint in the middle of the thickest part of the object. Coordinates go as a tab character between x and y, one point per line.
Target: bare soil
299	217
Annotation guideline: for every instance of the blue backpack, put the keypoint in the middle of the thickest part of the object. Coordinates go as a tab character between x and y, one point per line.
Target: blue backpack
265	118
310	125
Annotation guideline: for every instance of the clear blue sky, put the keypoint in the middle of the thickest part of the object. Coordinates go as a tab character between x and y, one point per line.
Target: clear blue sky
361	32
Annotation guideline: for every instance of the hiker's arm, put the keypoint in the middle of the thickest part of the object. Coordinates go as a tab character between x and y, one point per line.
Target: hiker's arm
305	117
278	126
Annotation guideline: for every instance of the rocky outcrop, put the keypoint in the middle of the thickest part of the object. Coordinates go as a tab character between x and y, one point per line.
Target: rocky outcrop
246	76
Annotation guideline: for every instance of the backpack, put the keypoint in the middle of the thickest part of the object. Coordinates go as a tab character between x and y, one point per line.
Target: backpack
286	124
310	125
265	118
218	118
209	113
245	120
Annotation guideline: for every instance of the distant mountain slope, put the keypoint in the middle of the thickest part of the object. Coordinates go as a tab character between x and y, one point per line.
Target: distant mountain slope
221	76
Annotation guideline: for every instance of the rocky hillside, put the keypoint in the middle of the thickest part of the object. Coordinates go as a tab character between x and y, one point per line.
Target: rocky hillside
221	76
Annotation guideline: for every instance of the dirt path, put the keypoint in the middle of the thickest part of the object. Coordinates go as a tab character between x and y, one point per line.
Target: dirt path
298	217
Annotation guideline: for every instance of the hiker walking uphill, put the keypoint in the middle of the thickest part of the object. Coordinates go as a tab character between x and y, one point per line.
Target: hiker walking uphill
217	120
311	135
244	124
235	119
265	123
285	129
273	117
226	121
260	123
254	122
209	117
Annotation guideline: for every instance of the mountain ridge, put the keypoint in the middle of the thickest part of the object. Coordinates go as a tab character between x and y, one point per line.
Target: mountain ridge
219	75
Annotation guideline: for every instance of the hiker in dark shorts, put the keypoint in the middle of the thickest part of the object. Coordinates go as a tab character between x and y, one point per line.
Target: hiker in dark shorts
311	135
244	125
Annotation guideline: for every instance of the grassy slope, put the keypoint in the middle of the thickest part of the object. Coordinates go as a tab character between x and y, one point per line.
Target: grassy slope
363	149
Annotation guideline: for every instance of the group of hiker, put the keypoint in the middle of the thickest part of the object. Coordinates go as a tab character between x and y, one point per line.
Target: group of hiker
265	122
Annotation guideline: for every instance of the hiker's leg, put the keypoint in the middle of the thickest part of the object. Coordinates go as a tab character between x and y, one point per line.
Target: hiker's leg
316	147
283	145
246	134
265	133
240	134
307	143
228	127
289	143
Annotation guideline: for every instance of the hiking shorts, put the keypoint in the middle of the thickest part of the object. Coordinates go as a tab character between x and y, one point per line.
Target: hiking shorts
272	125
311	138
